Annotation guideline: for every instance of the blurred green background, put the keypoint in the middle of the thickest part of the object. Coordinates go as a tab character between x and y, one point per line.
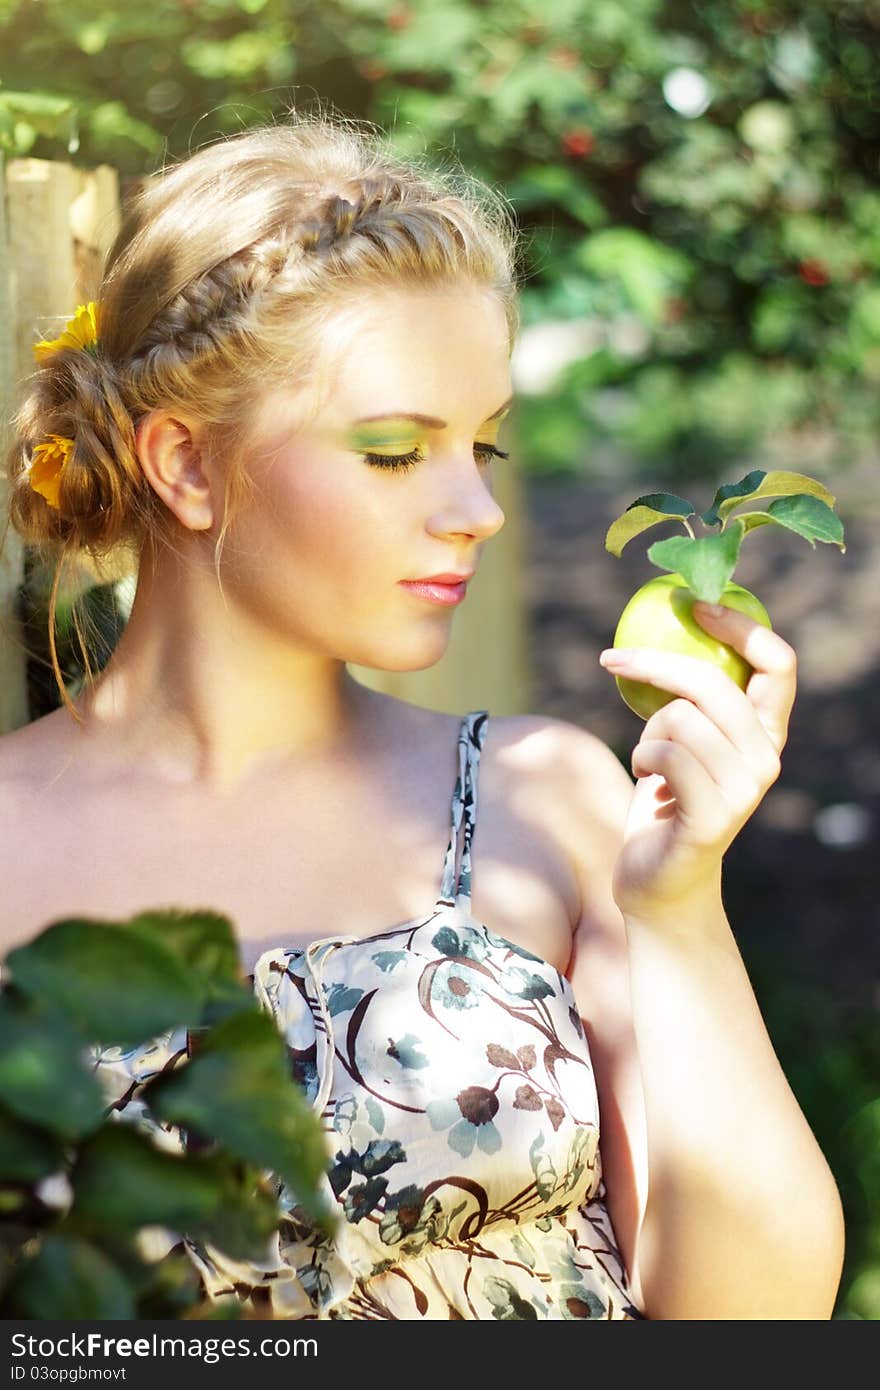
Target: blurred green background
698	189
698	182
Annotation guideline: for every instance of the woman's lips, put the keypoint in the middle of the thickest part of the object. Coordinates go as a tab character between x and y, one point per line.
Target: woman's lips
435	592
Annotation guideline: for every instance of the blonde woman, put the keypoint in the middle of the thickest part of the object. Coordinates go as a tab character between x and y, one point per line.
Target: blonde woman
546	1086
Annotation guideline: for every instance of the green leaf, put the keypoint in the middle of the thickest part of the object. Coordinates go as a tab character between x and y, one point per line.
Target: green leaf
43	1077
7	128
120	986
122	1181
205	943
237	1089
647	271
69	1277
806	516
778	483
437	39
706	564
239	57
26	1153
36	106
643	513
540	184
109	123
36	112
245	1221
171	1287
92	36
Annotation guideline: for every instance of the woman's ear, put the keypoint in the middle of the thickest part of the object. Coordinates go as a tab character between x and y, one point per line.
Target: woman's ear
170	454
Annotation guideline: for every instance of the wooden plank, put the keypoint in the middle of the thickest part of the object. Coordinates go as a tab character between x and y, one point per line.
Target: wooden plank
41	272
40	193
13	659
63	221
59	222
94	223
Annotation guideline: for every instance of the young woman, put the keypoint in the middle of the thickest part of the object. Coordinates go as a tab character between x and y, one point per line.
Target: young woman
545	1082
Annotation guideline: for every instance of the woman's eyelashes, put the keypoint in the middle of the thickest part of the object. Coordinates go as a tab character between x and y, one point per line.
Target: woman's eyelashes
396	462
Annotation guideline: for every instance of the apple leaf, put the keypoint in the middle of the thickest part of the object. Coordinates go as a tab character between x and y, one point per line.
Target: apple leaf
705	564
643	513
806	516
778	483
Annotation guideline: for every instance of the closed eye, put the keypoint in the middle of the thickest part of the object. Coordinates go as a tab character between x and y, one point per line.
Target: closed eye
403	461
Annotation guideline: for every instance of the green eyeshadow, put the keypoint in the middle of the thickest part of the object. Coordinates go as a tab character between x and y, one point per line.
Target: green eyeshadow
387	438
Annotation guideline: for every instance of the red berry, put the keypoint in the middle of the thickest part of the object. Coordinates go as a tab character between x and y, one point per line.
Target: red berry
813	272
371	70
399	17
578	142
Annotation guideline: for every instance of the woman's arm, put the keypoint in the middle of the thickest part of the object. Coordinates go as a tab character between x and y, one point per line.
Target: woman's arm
741	1218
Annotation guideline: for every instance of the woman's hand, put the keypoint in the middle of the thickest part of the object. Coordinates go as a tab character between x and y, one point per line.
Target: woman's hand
703	762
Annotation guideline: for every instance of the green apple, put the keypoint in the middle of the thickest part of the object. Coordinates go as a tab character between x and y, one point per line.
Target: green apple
660	615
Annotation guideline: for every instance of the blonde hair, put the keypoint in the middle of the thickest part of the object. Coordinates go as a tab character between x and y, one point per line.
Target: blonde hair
227	270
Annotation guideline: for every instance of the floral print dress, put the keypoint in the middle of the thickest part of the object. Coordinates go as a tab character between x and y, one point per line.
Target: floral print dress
453	1080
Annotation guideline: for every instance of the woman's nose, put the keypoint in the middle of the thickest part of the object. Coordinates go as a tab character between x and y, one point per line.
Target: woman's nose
471	509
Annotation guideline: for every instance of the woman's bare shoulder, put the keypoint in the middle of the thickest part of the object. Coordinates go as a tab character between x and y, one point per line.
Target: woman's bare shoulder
29	761
566	756
576	779
584	780
31	754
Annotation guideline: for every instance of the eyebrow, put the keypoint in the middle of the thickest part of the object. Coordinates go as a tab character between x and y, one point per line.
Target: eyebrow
430	420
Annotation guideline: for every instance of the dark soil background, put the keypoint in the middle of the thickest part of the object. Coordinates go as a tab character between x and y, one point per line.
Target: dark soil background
802	879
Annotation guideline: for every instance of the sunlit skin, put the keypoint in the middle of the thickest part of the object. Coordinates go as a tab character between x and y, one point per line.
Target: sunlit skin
208	689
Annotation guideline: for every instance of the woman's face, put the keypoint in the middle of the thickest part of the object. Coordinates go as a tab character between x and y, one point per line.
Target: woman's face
317	554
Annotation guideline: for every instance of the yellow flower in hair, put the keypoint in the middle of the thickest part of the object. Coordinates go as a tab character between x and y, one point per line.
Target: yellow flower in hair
47	465
80	332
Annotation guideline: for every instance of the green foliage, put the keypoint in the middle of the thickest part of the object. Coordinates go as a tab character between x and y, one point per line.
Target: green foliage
41	1079
78	965
231	1090
78	1186
68	1277
695	181
707	564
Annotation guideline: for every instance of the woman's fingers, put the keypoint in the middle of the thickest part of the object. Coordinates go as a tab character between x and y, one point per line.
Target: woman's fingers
698	804
742	781
773	685
755	721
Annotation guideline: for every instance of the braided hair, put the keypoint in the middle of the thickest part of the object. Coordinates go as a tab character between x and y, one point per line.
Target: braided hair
227	269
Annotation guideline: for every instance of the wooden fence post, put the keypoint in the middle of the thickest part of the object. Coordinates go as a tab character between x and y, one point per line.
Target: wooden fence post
56	226
13	661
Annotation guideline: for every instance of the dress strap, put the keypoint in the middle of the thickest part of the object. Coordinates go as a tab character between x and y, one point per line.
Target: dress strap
456	889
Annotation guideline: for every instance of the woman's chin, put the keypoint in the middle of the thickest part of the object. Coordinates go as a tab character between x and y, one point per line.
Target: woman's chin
418	654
